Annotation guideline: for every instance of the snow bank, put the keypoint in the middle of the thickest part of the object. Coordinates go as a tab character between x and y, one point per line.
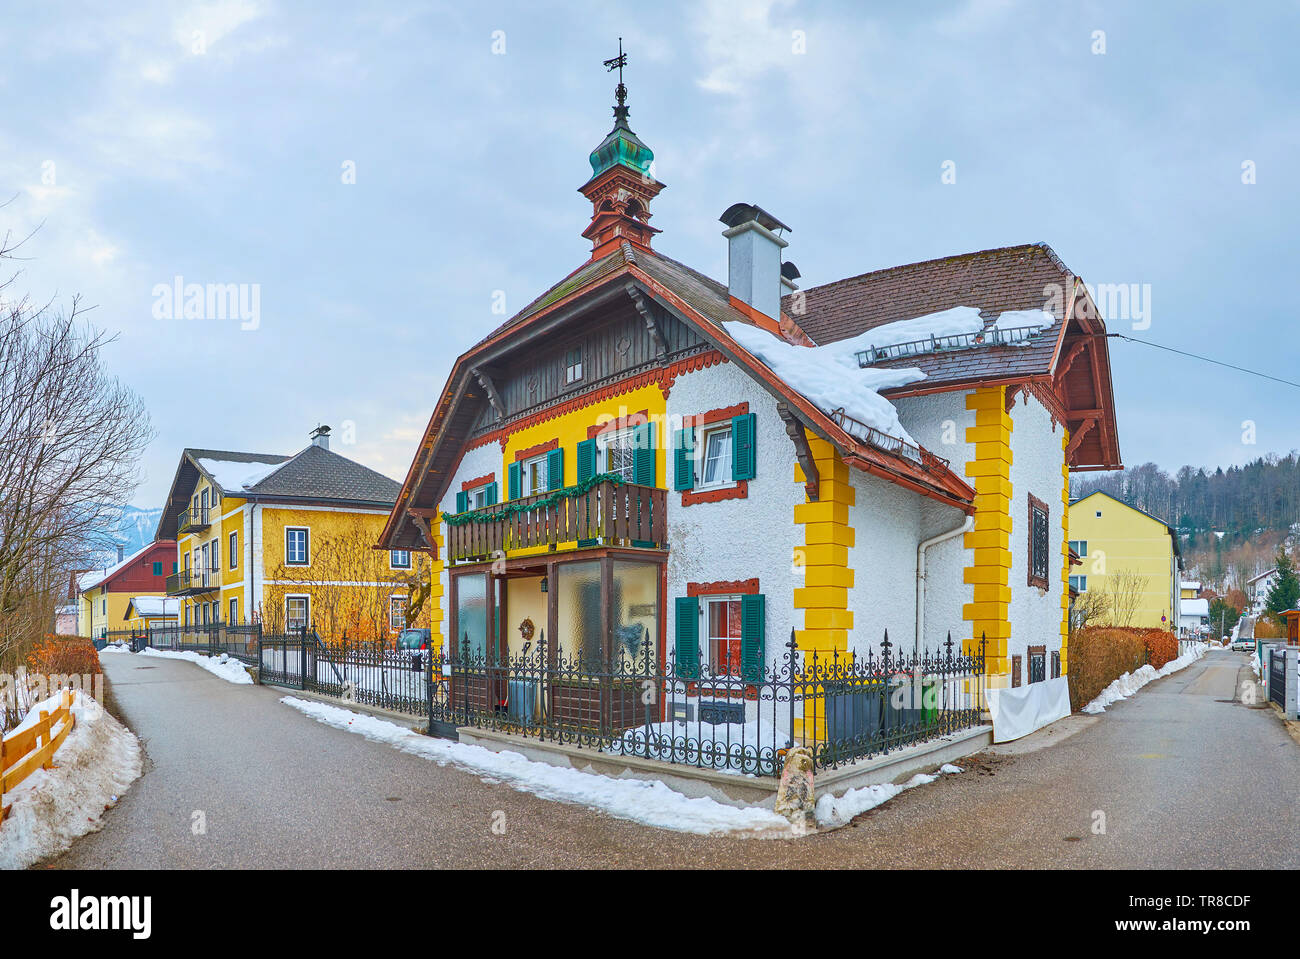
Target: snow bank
837	811
52	807
1130	683
650	803
223	667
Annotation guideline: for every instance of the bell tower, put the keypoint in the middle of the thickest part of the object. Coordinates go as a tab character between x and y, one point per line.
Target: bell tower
621	185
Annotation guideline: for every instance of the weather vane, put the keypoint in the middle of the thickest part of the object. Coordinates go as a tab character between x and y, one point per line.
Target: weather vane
618	63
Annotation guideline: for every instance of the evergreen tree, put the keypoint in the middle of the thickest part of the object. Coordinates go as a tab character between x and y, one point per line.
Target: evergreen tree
1284	594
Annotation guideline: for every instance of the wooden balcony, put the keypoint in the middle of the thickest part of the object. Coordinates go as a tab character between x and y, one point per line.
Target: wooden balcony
193	520
188	582
607	514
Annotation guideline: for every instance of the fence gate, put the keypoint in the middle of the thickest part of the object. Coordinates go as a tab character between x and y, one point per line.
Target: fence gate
287	659
1277	676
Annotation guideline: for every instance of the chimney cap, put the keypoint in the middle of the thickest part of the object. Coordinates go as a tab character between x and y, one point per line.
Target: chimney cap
320	431
739	213
789	271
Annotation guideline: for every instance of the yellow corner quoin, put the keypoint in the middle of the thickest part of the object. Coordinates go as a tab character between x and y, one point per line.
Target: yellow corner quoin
1065	550
824	593
990	542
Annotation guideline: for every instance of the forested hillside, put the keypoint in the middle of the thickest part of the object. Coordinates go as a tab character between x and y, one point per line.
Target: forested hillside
1231	520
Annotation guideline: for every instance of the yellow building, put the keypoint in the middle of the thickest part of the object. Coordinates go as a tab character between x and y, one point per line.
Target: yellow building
287	541
144	612
1130	557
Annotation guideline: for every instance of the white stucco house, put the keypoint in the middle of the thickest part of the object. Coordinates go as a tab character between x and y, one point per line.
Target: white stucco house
700	469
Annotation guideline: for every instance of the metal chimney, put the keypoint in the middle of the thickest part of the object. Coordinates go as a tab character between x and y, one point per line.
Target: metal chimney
754	257
320	436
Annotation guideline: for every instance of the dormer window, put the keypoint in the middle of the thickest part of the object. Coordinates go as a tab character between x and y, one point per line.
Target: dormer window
573	365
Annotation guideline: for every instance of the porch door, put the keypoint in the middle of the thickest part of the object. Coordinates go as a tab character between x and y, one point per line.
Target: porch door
724	621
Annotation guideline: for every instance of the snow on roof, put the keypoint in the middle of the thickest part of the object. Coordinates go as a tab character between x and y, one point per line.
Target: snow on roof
1192	585
1267	572
233	476
96	576
1194	607
154	606
830	376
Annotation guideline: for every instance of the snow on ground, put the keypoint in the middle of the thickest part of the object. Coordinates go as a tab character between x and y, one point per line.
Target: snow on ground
650	803
223	667
52	807
115	648
837	811
646	802
1130	683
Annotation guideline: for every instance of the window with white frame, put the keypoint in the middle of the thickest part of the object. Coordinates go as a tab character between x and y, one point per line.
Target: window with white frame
234	610
296	547
234	550
215	555
477	497
1080	547
1079	584
722	621
617	453
532	476
399	558
715	457
397	613
573	365
297	612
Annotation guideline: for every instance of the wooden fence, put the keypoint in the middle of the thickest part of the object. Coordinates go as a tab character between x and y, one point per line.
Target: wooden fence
24	752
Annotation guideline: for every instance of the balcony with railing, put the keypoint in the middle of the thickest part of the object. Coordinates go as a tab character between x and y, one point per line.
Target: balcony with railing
193	520
191	581
606	513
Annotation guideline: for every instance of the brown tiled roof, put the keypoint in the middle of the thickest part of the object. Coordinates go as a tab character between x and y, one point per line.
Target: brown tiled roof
993	281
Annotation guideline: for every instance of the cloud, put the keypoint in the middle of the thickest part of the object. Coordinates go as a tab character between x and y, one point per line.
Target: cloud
740	42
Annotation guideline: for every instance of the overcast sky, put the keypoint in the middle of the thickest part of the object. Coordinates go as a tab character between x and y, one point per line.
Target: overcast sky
212	142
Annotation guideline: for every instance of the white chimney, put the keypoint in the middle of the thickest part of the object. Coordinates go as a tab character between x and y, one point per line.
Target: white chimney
754	257
320	436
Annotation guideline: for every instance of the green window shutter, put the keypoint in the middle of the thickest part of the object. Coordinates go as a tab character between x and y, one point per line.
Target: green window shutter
683	460
586	460
491	493
462	501
555	469
688	637
753	631
643	456
514	482
743	460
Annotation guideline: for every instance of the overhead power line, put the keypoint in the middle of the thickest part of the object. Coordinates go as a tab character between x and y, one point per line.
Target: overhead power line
1207	359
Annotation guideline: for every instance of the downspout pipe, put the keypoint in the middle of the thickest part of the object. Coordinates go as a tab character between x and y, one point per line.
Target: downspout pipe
967	525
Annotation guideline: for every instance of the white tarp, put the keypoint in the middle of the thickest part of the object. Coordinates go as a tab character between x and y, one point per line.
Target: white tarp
1018	712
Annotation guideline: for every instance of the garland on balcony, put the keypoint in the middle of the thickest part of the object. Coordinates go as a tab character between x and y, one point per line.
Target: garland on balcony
507	510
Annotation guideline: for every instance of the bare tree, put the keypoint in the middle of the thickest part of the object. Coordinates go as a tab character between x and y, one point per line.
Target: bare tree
71	436
1124	589
351	584
1089	608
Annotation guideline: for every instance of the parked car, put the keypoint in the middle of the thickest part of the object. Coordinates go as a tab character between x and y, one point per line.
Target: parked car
1243	645
416	642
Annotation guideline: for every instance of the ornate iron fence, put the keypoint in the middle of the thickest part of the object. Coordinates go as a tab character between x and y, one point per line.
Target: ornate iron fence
372	673
211	639
726	719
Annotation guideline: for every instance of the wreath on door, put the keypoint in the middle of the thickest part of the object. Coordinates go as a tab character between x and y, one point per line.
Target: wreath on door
526	630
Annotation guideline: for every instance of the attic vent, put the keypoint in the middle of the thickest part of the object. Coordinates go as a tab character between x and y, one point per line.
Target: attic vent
1013	336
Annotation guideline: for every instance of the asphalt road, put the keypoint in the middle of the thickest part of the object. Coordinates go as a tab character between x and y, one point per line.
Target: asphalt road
1182	777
